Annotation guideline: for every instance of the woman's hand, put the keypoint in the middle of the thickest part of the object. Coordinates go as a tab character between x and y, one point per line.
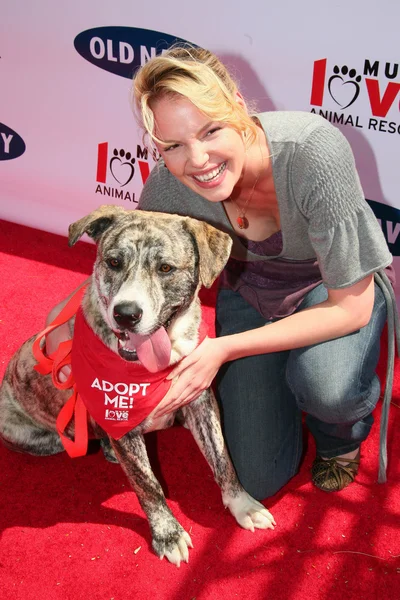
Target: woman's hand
195	374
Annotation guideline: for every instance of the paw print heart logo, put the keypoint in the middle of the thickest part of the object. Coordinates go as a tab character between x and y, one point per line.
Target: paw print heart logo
121	166
344	86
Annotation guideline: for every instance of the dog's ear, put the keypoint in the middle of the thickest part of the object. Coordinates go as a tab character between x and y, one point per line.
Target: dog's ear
214	249
95	224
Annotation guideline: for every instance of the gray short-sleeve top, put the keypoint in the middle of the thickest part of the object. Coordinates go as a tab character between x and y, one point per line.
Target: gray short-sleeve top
325	220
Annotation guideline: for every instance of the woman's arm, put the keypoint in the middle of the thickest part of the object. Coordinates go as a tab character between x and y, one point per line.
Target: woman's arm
345	310
62	333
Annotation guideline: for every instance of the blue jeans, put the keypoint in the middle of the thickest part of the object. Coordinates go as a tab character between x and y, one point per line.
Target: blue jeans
262	397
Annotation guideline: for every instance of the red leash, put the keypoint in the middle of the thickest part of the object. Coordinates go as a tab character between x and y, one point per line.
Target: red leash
52	364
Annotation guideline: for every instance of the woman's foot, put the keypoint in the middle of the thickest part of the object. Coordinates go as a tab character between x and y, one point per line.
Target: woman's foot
334	474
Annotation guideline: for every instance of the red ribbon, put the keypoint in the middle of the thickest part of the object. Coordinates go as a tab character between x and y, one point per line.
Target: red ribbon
52	364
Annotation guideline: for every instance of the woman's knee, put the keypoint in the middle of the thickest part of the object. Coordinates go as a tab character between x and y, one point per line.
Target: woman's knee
265	469
340	399
335	381
265	484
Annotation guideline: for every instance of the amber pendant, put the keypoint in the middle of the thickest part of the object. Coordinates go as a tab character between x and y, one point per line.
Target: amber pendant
242	222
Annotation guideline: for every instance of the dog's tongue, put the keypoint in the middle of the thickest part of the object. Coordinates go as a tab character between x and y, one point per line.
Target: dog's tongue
154	351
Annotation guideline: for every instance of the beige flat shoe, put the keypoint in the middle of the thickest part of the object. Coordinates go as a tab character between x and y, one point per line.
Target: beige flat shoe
331	476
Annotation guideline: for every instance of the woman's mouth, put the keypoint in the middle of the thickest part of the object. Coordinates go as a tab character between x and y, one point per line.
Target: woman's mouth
212	176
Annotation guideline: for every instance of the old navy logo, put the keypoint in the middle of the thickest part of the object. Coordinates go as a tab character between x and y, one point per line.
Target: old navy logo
11	144
389	219
344	86
121	50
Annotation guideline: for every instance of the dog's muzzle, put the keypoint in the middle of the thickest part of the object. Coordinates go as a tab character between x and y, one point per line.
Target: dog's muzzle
152	350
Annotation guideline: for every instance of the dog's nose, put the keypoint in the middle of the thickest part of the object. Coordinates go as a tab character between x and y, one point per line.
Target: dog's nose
127	314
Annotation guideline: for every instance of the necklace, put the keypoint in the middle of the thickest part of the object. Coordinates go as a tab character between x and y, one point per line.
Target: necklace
241	219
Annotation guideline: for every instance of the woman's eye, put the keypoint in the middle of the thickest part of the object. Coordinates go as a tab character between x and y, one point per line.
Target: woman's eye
166	268
114	263
213	130
168	148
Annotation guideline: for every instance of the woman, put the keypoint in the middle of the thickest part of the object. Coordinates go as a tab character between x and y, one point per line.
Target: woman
298	314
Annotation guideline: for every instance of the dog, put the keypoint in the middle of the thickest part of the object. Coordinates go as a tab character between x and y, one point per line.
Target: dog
142	305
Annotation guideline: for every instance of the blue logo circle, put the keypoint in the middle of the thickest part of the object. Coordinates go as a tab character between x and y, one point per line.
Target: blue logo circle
122	50
11	144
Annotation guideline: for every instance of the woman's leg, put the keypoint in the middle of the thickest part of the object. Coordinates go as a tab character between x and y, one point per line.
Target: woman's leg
261	422
335	382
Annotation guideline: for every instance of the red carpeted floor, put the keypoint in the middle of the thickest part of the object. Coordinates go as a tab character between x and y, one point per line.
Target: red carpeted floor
73	529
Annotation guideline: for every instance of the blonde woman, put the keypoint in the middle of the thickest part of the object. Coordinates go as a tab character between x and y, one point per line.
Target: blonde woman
299	315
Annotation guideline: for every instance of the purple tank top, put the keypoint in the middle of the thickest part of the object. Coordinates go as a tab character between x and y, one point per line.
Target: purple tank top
274	287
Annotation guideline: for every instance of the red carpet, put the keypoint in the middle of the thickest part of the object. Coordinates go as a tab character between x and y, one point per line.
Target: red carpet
73	529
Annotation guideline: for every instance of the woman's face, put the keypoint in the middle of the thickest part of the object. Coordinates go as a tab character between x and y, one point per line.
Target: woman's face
207	156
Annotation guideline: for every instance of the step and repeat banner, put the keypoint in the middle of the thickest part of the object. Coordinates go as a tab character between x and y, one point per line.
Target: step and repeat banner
68	138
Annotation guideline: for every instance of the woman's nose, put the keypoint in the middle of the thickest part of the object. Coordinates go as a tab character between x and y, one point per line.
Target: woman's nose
198	156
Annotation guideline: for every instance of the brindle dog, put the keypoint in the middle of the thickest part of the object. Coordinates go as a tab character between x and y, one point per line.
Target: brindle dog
151	264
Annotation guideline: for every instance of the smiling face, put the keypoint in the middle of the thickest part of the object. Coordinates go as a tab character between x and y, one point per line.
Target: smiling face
207	156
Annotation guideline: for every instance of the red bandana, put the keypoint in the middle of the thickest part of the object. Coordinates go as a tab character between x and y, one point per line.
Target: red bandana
117	394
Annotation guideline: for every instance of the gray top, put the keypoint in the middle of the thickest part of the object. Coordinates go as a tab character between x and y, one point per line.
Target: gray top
323	213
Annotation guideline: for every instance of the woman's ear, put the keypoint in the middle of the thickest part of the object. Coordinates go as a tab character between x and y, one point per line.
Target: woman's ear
240	100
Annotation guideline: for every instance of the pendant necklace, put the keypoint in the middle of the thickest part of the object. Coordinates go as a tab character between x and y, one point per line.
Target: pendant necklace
241	219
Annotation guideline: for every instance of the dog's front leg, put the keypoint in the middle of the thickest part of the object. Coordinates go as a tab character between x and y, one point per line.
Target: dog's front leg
168	536
202	418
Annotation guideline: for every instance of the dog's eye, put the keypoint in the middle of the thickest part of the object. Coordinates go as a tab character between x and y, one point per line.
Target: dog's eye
165	268
113	263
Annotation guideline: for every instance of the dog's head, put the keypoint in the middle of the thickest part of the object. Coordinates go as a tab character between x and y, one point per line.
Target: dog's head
149	268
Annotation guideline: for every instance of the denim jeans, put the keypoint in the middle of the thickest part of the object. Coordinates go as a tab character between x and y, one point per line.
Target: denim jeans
262	397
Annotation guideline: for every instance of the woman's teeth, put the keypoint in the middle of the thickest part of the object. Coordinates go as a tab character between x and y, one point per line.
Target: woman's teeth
211	175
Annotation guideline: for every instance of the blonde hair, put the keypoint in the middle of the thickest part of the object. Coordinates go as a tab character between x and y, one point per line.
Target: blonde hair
199	76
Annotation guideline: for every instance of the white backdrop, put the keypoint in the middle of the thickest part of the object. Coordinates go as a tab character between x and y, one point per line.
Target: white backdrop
68	141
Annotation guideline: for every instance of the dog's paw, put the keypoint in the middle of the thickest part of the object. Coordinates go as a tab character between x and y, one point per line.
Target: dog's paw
249	513
174	547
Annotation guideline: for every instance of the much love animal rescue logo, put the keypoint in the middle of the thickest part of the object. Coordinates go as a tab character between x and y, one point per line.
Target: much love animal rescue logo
377	82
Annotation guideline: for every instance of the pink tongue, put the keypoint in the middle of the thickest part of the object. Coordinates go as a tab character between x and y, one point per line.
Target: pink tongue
154	351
